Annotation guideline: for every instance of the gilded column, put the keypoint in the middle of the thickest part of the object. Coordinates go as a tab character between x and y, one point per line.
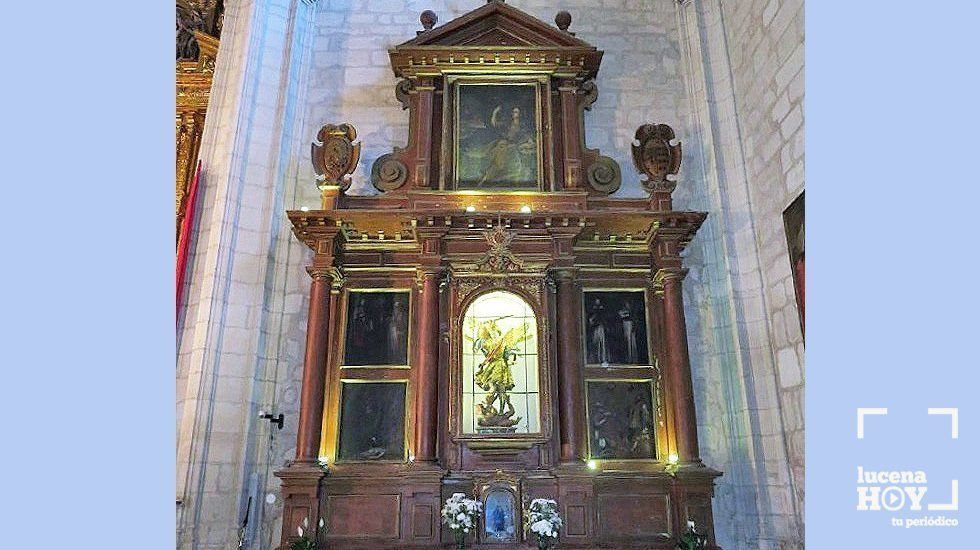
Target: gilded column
570	397
427	367
678	364
314	368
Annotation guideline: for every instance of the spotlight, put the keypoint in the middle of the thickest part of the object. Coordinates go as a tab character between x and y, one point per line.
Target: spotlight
525	209
672	458
471	208
592	464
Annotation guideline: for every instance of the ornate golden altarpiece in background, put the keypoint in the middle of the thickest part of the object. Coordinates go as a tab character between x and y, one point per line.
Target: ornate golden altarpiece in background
198	29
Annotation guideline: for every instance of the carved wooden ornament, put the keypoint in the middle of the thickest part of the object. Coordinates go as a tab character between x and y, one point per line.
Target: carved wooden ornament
335	155
655	156
499	257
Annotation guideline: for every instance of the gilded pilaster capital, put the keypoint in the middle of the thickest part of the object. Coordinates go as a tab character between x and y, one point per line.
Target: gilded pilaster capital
668	275
423	272
331	274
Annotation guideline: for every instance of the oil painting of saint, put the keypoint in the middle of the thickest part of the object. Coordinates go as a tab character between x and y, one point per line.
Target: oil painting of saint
372	421
497	137
615	328
621	420
377	329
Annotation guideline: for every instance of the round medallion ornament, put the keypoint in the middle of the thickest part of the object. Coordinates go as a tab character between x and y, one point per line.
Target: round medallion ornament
563	20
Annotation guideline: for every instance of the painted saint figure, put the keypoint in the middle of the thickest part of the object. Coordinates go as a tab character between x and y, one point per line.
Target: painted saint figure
629	334
506	154
597	333
640	436
396	335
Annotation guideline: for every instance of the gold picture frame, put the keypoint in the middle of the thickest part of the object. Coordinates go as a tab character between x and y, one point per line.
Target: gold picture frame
488	137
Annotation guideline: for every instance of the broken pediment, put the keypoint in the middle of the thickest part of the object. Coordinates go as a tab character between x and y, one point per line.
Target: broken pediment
496	33
482	26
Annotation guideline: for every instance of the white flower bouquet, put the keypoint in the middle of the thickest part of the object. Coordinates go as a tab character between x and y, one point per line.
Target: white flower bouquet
304	542
461	514
542	521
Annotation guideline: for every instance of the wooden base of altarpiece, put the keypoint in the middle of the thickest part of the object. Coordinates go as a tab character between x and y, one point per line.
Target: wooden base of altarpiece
400	508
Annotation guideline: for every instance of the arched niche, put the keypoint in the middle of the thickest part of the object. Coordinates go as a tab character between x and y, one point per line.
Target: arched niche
500	381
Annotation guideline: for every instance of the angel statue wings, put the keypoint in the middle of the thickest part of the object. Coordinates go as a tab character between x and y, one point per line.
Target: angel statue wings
493	375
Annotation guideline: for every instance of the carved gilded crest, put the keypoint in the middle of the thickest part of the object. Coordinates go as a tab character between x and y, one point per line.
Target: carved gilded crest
499	257
657	154
335	155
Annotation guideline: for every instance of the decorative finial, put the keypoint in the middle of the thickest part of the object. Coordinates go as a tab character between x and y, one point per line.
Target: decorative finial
563	20
335	155
428	19
657	154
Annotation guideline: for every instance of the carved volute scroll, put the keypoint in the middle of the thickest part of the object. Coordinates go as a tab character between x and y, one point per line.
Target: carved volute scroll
604	175
388	173
335	155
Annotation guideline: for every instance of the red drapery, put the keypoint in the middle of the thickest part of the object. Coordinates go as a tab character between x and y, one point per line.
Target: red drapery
183	242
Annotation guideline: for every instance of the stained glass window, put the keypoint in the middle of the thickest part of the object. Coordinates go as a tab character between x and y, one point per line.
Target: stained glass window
500	366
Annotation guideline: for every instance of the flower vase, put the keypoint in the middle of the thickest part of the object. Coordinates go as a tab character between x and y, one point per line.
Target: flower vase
460	538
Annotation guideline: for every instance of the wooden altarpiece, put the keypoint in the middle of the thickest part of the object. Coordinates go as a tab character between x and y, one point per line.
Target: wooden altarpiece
388	426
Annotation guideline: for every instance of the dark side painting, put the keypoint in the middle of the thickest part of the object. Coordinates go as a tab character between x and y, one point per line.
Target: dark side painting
377	329
621	419
372	421
615	328
497	137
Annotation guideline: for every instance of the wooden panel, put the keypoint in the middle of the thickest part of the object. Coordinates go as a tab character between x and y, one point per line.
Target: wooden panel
422	521
633	516
363	515
575	525
577	502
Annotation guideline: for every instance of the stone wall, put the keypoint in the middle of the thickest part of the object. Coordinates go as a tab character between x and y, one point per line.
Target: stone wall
240	338
717	71
765	40
743	64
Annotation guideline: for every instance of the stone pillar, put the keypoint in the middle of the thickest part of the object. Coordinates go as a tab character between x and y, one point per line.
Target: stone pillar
678	367
427	368
224	372
314	369
570	395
